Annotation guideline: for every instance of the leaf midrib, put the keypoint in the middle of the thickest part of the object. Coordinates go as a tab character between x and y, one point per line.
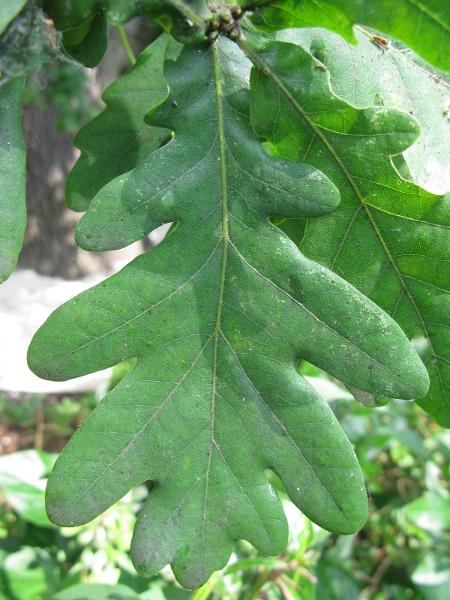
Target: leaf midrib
223	184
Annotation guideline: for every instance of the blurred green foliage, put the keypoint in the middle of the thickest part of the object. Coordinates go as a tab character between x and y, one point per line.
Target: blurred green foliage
62	84
55	80
401	553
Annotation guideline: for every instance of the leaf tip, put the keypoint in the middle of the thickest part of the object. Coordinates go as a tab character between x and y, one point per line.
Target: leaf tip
419	379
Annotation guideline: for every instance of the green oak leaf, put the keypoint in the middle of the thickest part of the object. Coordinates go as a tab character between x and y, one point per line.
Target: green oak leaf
90	50
423	25
184	19
388	237
217	316
398	79
118	140
14	49
13	215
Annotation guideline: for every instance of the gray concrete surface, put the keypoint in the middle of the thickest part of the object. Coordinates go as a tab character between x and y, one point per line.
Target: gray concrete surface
26	301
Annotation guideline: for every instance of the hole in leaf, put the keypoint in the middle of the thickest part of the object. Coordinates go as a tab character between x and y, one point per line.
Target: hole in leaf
402	167
317	49
120	371
422	347
269	149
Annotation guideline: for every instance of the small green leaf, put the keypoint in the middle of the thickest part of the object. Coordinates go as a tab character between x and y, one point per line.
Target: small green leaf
184	20
90	50
8	11
217	315
388	237
74	37
118	140
424	26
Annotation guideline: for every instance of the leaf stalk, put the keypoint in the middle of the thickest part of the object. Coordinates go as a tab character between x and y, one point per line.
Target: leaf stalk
126	45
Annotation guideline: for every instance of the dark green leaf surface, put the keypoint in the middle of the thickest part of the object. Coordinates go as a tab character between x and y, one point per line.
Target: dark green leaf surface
423	25
12	175
90	50
76	36
118	140
184	19
388	237
217	315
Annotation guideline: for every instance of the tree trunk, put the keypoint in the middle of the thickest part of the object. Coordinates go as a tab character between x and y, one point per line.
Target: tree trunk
49	247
